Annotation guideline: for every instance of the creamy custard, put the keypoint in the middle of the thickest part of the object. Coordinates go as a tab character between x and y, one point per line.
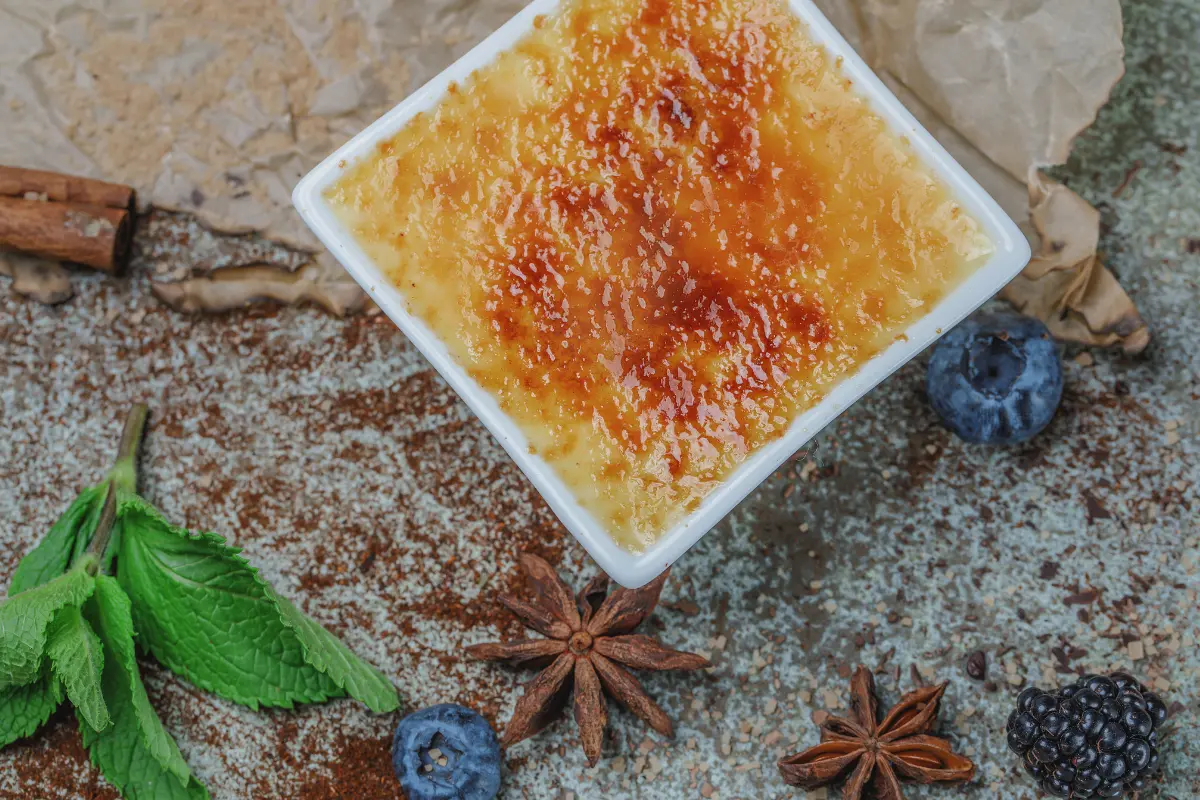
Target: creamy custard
657	231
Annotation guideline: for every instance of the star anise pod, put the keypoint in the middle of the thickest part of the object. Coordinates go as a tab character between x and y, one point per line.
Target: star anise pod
590	638
876	755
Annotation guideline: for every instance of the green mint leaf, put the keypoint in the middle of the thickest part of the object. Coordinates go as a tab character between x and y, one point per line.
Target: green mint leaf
202	611
24	709
24	619
327	653
69	535
135	753
109	613
77	658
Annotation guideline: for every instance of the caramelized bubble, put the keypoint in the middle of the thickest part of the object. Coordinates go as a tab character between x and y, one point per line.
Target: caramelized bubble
657	231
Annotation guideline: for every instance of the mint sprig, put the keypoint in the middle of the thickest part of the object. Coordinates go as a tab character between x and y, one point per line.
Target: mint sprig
111	571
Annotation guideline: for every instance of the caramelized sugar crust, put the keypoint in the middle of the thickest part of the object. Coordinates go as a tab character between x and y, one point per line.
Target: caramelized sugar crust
657	231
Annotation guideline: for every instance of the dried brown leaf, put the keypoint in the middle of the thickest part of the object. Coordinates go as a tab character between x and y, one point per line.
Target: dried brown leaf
626	690
644	652
1065	285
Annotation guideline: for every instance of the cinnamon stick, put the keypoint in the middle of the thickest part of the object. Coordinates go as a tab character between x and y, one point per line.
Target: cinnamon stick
20	182
95	235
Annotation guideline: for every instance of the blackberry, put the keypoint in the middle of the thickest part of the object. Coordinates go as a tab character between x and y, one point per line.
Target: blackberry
1097	737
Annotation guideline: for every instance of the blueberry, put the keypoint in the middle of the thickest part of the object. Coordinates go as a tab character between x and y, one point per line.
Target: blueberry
996	378
446	752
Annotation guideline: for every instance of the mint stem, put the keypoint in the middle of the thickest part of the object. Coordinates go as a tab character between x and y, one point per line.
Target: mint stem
121	478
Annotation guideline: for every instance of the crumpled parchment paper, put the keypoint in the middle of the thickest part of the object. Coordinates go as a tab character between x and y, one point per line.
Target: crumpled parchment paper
1006	86
218	108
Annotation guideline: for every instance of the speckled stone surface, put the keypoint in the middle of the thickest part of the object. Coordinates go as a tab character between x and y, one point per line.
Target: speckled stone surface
367	492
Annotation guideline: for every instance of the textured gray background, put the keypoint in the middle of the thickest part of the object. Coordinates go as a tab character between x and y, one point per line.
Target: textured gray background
367	492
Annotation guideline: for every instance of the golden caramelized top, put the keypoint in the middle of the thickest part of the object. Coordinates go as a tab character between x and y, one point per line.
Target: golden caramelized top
657	231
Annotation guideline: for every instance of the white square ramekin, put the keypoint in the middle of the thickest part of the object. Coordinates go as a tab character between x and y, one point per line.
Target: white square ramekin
635	569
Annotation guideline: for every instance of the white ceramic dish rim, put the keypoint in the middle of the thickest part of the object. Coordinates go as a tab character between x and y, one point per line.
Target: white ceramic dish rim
627	568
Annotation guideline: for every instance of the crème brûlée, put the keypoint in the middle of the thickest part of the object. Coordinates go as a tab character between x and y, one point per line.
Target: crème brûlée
657	231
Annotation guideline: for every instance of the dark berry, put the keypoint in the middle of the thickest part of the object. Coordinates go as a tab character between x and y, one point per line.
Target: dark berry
1055	788
1156	707
1024	727
1085	758
996	378
1137	722
1054	724
1112	709
1086	780
1131	697
1095	738
1071	742
1137	754
1111	767
1026	698
1045	750
1122	680
1105	687
1112	737
1042	706
1091	722
444	752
